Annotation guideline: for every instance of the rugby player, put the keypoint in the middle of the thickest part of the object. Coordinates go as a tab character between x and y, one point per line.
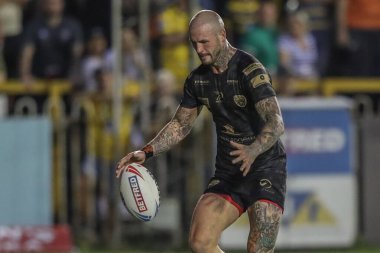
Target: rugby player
250	169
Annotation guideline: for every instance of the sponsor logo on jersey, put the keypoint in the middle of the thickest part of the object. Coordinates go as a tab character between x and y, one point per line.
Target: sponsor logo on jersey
240	100
219	96
232	82
259	80
139	199
265	183
201	82
241	140
252	67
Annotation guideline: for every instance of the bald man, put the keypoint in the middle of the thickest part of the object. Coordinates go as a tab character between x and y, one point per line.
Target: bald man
250	168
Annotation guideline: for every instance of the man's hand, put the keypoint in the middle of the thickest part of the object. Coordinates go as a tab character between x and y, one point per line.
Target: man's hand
133	157
245	155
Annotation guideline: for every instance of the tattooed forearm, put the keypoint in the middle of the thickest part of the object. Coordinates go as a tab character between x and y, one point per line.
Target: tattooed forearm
274	126
175	131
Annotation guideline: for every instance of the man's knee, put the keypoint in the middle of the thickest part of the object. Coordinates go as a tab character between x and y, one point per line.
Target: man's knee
201	244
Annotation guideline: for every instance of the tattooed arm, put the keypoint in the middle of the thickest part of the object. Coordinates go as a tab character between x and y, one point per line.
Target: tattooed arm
274	126
175	131
269	111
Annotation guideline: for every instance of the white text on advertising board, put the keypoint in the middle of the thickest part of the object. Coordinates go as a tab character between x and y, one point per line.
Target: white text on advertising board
314	140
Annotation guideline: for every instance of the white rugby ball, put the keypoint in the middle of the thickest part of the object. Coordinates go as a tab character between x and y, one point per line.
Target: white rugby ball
139	192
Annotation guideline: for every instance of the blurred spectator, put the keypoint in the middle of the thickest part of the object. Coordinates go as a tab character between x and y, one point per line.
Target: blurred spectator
321	24
240	14
11	22
94	61
135	61
358	36
52	45
165	100
3	70
261	39
298	52
155	32
175	51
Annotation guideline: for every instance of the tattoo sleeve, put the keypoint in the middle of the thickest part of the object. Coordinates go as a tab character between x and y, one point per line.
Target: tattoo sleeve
175	131
273	128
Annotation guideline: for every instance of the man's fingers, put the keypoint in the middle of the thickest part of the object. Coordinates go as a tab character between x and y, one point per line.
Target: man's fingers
236	160
246	170
120	164
235	152
236	145
119	172
123	164
125	160
134	157
245	167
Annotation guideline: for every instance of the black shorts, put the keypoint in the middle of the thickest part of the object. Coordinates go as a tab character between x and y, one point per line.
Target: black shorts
264	185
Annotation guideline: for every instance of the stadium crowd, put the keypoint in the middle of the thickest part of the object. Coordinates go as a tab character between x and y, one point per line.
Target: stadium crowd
48	39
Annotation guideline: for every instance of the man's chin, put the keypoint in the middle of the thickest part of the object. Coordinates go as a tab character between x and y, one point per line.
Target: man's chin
206	62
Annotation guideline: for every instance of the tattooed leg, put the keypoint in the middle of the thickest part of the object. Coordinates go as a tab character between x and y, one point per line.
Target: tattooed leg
264	219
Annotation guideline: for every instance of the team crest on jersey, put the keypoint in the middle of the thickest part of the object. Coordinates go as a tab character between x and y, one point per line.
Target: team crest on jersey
252	67
240	100
213	183
259	80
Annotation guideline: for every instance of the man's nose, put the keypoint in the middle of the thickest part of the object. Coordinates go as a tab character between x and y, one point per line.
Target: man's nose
198	48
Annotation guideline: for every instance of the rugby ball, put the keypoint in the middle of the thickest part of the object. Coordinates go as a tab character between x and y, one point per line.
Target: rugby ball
139	192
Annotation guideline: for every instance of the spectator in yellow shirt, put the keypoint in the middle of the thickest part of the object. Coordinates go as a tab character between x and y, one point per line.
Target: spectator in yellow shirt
174	48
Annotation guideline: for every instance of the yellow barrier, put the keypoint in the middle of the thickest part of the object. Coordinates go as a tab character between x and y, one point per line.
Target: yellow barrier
335	85
306	86
332	86
14	87
329	87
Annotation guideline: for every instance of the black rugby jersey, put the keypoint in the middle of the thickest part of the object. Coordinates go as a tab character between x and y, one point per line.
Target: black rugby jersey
231	97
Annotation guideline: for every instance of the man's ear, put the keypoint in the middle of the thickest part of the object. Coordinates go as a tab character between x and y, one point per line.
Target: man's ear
222	34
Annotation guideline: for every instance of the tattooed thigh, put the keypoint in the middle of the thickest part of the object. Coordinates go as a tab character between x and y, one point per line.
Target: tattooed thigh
264	219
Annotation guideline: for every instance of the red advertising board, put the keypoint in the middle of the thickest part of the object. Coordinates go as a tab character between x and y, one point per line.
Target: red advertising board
35	239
